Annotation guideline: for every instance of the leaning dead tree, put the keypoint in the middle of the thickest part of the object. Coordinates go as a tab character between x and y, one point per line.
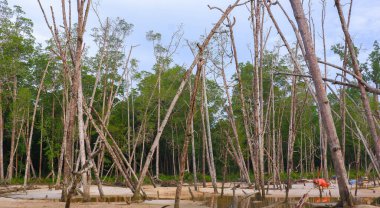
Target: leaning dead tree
149	157
359	77
245	112
207	132
29	141
220	64
323	103
69	50
189	130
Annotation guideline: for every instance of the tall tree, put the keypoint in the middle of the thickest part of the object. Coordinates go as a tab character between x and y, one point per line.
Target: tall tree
17	46
323	102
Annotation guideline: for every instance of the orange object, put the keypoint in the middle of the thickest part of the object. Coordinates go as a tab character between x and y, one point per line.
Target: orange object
322	200
320	182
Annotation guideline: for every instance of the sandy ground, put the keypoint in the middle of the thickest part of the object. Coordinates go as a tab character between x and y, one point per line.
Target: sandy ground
20	203
161	196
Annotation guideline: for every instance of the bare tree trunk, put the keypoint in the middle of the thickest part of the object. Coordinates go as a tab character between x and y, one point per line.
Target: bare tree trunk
41	142
363	93
274	144
259	153
210	151
63	147
225	156
68	152
323	103
230	112
242	99
193	147
1	134
115	152
301	154
158	123
189	132
324	136
29	144
359	135
357	164
292	134
259	29
143	149
13	136
280	143
175	99
82	131
128	120
173	153
323	146
204	140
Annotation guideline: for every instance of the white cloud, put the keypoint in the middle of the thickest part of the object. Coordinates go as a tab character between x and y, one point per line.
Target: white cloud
165	15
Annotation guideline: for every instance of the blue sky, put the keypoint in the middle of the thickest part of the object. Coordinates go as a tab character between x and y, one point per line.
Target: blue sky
164	16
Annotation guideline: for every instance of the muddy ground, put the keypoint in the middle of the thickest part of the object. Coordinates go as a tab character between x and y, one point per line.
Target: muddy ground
162	196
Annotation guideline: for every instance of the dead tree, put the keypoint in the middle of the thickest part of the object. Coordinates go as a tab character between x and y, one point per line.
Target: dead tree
323	132
77	178
189	130
244	110
10	168
343	89
207	132
149	157
258	140
358	133
194	162
29	143
73	77
1	133
230	113
206	153
356	67
292	133
323	103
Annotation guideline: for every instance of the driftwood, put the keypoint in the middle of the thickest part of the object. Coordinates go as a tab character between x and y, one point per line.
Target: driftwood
6	190
302	201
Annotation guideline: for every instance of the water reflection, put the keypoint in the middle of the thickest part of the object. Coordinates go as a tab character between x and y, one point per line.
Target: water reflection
251	202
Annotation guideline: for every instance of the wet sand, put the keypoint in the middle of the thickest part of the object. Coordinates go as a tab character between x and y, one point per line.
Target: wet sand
160	196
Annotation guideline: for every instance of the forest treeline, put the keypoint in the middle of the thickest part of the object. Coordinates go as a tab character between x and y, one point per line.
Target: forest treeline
127	105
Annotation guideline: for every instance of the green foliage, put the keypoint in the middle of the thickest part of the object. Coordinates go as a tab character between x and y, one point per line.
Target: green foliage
24	61
372	72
